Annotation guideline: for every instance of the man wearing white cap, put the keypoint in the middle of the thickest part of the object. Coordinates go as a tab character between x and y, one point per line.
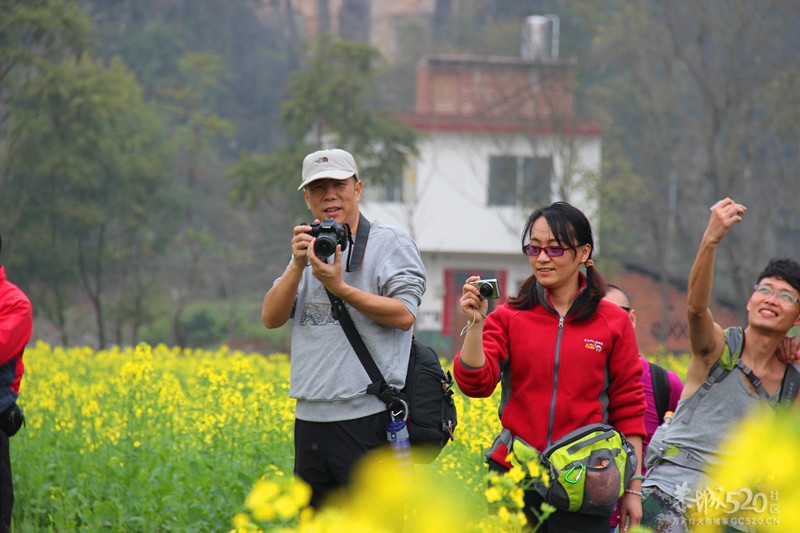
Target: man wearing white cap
379	276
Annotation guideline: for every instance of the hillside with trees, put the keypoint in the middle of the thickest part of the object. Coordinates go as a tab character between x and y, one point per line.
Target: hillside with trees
149	149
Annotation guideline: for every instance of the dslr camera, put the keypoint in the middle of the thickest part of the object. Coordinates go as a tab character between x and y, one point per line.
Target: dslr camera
488	288
329	233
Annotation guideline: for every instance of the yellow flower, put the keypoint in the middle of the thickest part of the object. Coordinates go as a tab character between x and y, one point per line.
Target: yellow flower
756	482
503	513
285	507
534	468
493	494
241	522
516	474
260	499
301	492
517	497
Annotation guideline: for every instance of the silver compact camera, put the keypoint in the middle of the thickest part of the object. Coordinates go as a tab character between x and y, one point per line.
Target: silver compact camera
488	288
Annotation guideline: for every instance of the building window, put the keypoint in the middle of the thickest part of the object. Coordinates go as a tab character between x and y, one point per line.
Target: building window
391	187
354	20
519	181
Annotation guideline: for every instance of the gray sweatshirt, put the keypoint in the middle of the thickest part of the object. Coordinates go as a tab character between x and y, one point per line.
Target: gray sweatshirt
327	378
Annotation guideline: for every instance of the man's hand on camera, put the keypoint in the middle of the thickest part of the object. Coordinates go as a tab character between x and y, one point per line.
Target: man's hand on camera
724	214
301	244
329	274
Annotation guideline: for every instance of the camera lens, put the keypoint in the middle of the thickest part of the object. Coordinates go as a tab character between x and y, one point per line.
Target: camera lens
486	290
325	245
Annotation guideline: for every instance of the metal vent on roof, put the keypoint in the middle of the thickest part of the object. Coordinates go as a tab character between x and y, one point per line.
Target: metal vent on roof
540	34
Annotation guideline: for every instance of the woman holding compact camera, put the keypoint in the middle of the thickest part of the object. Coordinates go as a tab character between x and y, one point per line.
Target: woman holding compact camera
565	358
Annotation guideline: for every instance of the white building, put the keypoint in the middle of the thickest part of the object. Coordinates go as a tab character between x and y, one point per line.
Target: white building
500	139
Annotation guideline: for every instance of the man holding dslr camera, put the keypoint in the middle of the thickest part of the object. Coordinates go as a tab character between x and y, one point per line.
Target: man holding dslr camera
381	279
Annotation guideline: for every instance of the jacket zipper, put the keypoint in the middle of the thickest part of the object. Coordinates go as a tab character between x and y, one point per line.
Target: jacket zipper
555	381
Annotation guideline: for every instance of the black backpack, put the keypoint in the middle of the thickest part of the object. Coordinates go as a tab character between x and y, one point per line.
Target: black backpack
426	399
660	380
428	392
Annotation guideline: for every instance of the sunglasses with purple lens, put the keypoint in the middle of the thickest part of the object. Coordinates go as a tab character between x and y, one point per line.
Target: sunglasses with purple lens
551	251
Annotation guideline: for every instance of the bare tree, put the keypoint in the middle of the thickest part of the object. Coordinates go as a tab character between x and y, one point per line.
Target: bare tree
694	83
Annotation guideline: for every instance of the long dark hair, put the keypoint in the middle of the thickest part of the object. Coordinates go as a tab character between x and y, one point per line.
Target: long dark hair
569	226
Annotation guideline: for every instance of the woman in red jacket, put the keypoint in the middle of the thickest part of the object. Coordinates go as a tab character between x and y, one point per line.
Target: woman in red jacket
565	357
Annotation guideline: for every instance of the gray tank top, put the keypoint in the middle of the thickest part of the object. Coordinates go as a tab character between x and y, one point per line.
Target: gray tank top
699	431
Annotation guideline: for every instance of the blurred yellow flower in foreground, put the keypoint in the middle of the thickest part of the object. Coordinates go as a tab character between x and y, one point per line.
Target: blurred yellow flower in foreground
385	496
283	500
756	487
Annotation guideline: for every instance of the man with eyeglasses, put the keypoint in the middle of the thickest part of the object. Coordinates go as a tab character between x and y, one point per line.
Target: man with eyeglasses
716	396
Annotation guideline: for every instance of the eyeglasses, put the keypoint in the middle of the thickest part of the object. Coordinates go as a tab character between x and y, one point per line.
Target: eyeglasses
551	251
624	308
785	297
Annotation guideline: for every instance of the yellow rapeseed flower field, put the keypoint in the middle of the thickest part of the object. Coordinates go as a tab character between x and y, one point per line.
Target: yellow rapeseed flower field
153	439
146	438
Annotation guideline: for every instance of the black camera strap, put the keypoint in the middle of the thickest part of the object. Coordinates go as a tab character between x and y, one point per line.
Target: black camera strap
356	255
379	387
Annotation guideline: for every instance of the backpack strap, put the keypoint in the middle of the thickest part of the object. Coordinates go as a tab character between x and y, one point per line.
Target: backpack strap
660	379
790	385
678	456
734	345
755	380
731	354
730	358
379	387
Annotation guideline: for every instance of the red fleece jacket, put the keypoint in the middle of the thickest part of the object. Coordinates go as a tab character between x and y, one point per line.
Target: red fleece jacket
559	378
16	326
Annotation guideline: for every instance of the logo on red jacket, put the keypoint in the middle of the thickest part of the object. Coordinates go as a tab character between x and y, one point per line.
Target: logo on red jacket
596	346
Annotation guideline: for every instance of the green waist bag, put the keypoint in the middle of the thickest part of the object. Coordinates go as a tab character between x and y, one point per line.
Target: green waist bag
589	469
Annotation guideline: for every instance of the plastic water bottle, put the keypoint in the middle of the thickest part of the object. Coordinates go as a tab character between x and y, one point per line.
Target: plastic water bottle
397	435
667	418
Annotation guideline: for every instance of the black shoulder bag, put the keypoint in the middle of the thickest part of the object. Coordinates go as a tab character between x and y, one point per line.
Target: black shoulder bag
426	400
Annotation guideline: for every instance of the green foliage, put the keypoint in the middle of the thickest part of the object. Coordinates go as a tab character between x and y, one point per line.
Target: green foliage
678	363
153	36
37	33
210	323
327	108
693	97
327	93
87	170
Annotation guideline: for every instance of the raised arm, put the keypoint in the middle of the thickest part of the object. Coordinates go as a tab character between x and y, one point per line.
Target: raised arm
278	302
705	335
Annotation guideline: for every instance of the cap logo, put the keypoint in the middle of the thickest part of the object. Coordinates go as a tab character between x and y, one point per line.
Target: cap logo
335	164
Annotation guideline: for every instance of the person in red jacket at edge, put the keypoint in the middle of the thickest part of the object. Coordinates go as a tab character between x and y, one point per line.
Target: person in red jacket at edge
565	357
16	326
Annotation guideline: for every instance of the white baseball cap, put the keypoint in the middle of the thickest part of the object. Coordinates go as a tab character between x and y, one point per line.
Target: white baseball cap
335	163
